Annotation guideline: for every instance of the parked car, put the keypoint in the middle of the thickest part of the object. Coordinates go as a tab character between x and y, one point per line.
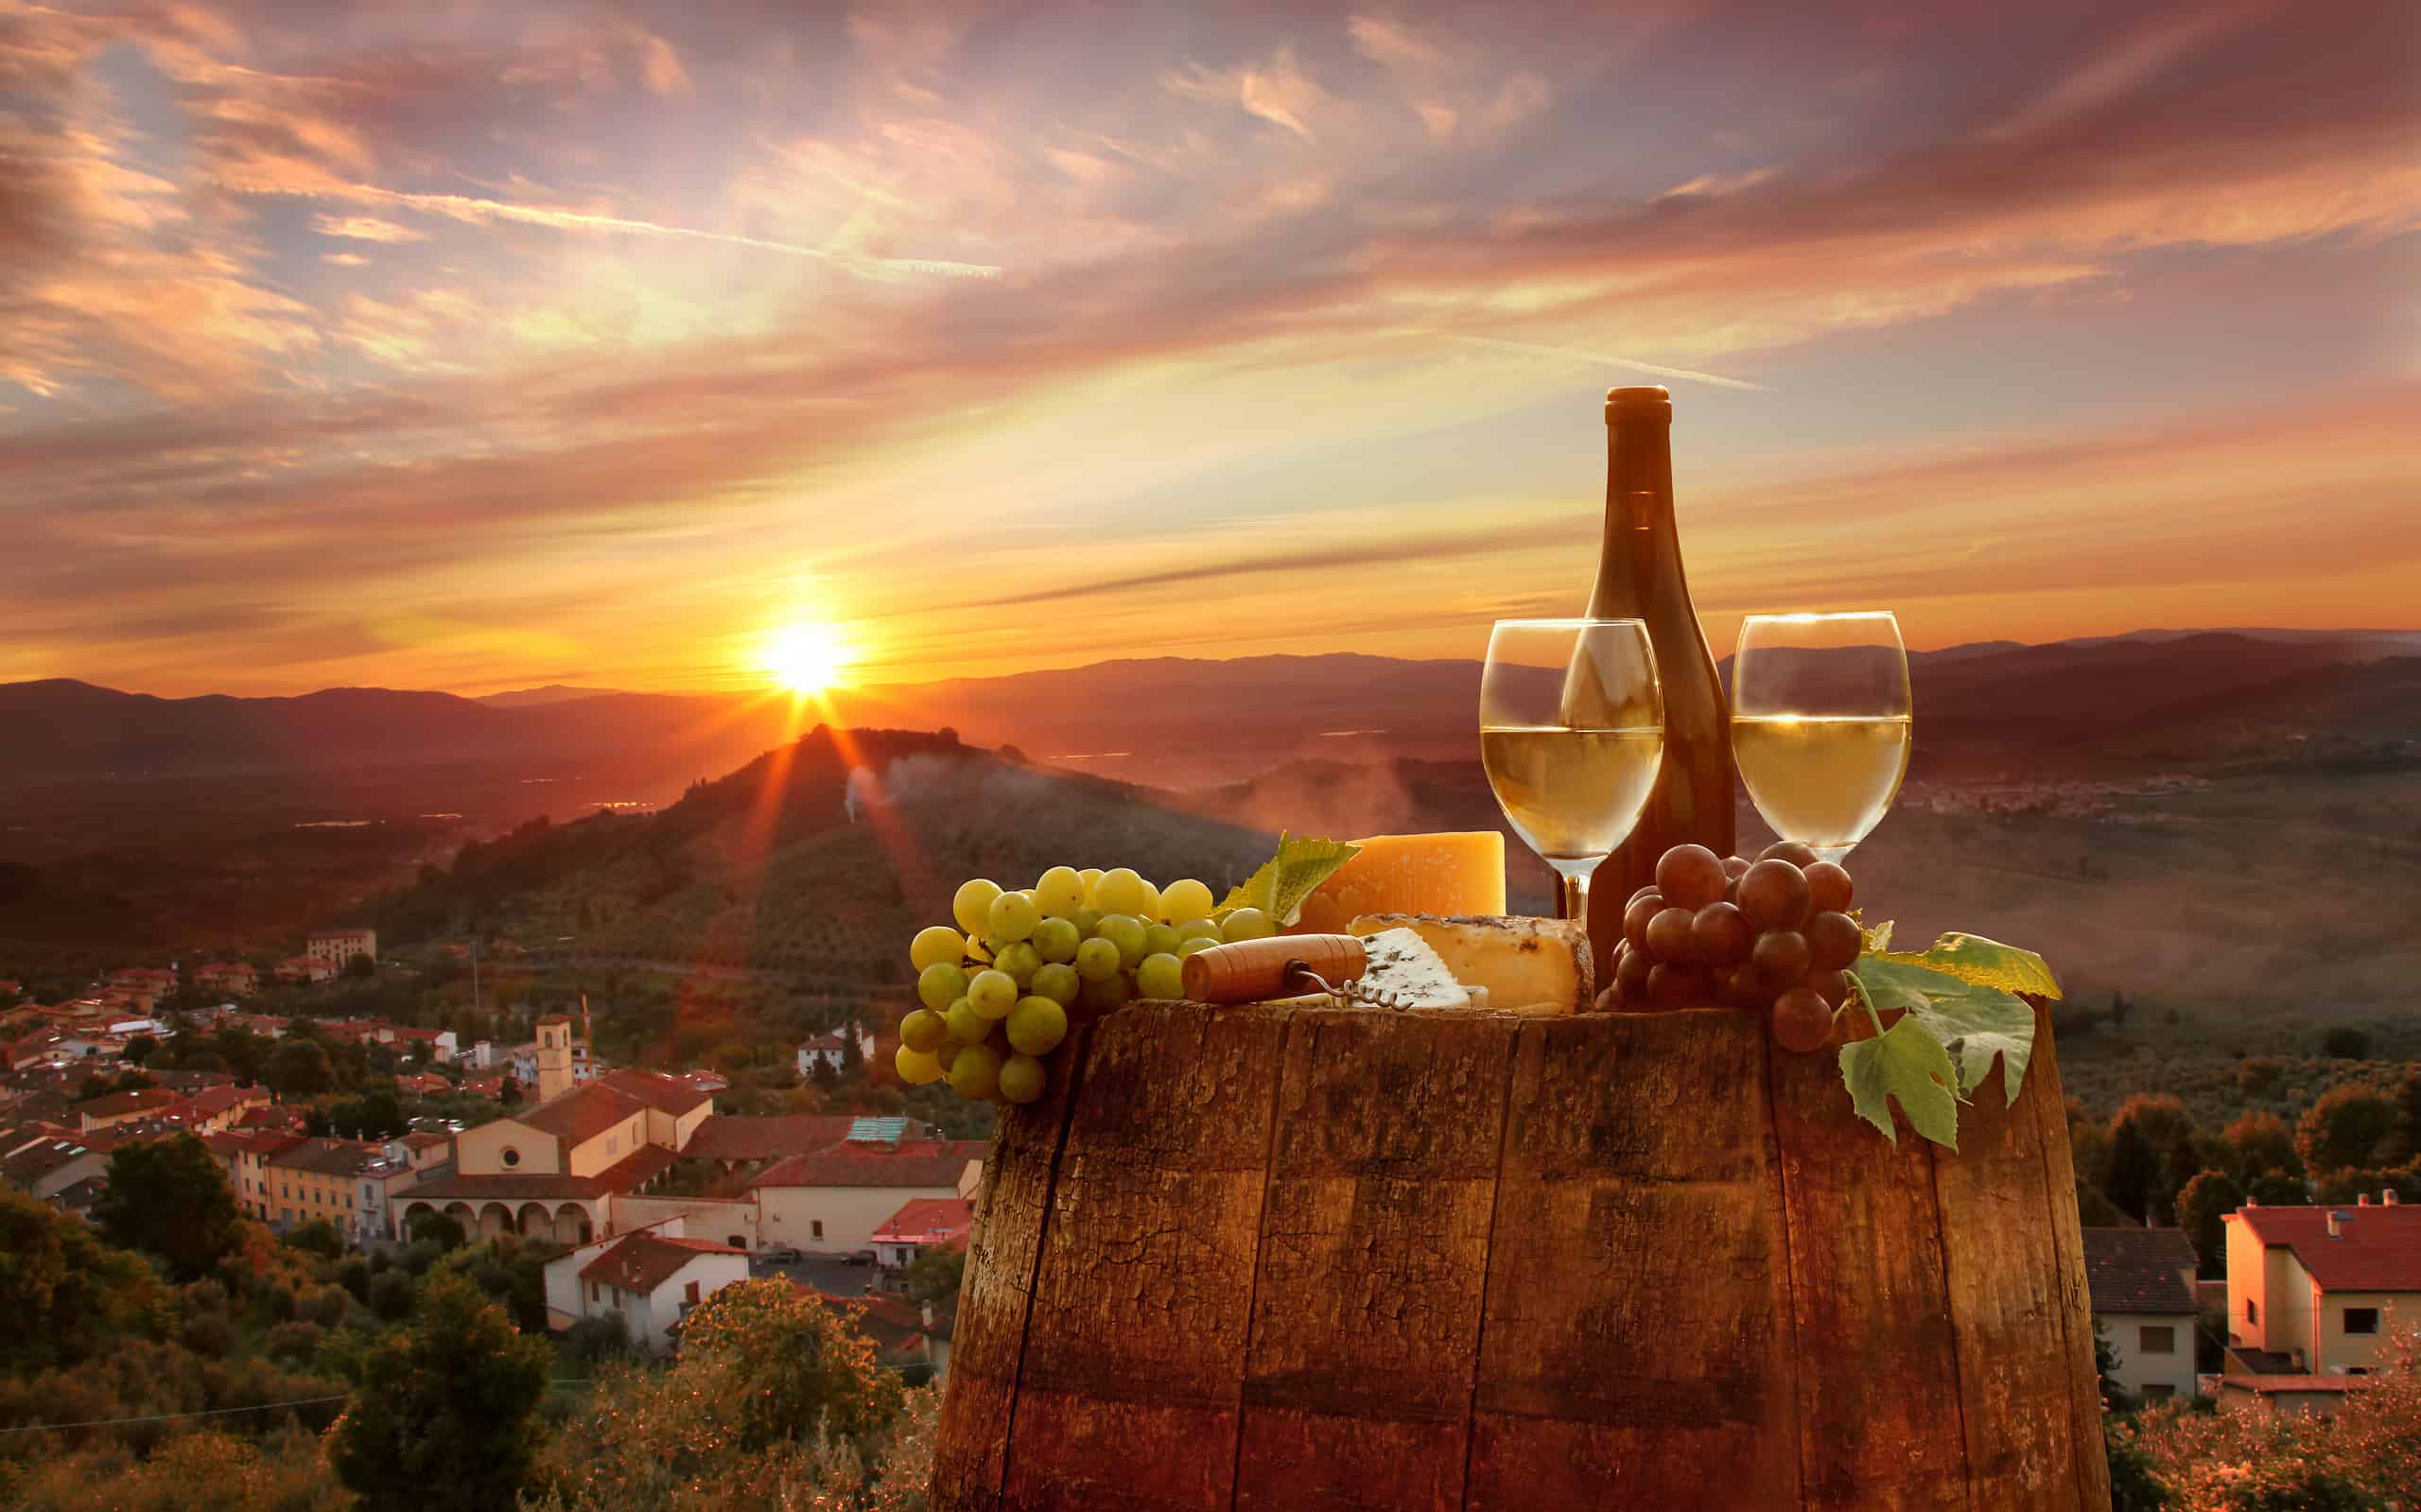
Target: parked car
862	1256
779	1255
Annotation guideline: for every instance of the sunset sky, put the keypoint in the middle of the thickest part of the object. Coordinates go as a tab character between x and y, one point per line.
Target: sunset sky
476	347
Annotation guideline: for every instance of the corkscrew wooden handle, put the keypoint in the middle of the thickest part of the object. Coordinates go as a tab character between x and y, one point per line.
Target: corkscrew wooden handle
1255	970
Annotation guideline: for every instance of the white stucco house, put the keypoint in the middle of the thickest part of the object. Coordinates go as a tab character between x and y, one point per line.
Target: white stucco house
832	1200
647	1281
833	1050
2142	1283
2313	1293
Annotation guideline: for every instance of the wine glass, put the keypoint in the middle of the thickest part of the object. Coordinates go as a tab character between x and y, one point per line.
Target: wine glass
1819	723
1572	736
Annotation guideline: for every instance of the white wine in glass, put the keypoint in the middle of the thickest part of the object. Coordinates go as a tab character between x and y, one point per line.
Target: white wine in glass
1820	723
1572	736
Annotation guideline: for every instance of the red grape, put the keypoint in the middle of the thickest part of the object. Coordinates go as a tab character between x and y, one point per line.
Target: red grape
1631	976
1780	956
1802	1022
1723	934
1789	851
1734	865
1774	896
1679	987
1832	940
1635	919
1650	891
1828	887
1690	876
1833	986
1742	987
1668	937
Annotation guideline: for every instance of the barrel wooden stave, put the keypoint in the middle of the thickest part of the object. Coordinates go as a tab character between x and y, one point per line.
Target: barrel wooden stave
1364	1221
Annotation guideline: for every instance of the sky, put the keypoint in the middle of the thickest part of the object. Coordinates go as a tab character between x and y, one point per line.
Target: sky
479	347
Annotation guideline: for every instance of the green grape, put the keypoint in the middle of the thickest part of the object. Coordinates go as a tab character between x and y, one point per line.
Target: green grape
1057	982
1185	899
1087	920
923	1030
1056	939
1011	918
1161	976
974	904
1036	1025
936	945
1108	991
965	1026
978	951
917	1067
1060	893
1247	924
1196	944
1089	877
1020	960
1119	891
1021	1079
1127	934
976	1074
940	982
993	993
1097	960
1161	939
1204	927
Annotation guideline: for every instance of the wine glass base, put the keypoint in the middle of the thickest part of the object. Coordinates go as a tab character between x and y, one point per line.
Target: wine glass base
1833	853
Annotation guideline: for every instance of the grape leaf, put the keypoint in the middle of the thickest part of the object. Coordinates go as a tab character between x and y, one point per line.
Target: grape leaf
1985	962
1908	1062
1982	1021
1288	878
1874	941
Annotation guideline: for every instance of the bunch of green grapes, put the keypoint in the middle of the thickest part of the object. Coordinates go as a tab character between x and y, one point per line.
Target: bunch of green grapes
997	989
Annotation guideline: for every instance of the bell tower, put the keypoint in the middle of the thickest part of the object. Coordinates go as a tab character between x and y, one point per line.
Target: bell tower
554	1057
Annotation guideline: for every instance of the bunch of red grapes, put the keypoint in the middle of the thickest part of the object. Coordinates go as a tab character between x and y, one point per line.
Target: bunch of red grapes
1773	934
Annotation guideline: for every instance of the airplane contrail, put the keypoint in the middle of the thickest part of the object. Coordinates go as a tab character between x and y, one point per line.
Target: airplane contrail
465	208
1539	349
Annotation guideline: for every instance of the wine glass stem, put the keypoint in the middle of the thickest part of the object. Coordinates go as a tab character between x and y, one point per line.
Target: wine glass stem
1573	890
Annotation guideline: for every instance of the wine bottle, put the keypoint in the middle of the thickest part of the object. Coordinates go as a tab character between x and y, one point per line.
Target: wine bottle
1639	577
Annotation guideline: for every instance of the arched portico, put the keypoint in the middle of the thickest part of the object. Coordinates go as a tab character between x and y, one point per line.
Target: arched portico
495	1220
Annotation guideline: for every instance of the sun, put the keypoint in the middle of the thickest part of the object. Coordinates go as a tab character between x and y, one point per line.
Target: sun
804	657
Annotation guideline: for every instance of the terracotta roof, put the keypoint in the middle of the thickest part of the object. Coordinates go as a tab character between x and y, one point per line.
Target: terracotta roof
582	1113
648	1163
723	1136
927	1220
328	1157
141	1100
2378	1247
423	1139
911	1163
212	1100
26	1166
642	1262
666	1094
2139	1270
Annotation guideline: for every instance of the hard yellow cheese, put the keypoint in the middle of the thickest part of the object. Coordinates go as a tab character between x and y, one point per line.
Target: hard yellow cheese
1526	966
1442	873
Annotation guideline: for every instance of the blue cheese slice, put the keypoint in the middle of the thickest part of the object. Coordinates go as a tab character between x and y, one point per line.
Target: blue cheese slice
1407	972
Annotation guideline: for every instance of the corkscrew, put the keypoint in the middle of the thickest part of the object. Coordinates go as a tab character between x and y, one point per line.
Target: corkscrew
1288	967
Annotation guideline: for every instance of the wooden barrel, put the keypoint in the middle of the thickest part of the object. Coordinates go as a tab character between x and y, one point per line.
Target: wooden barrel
1281	1257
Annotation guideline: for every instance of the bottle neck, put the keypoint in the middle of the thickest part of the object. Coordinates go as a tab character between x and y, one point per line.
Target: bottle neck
1642	553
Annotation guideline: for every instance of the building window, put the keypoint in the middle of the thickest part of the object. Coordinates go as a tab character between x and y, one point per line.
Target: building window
613	1143
510	1156
2158	1391
2151	1340
2252	1311
689	1294
2361	1320
592	1292
816	1228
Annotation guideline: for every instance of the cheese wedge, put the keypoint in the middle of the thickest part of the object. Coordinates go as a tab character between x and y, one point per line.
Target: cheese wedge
1408	973
1444	874
1524	965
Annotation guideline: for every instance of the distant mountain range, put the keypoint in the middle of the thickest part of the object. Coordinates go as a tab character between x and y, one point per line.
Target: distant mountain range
1187	722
